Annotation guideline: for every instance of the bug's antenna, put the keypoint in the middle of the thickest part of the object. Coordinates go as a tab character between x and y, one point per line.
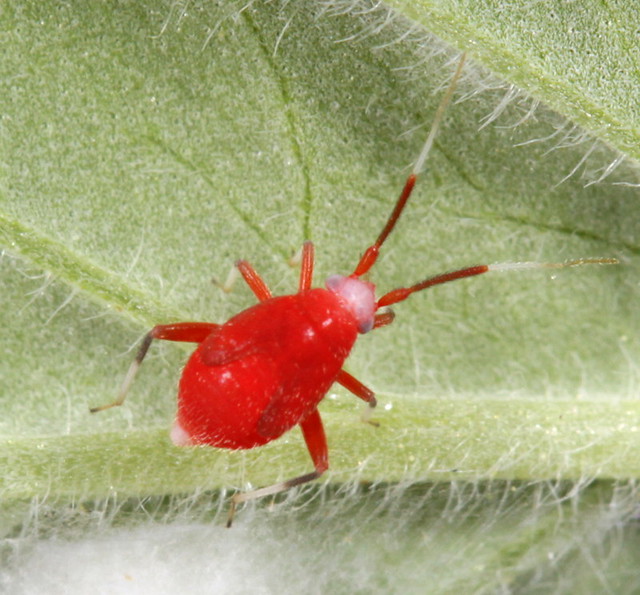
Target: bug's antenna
444	102
371	254
402	293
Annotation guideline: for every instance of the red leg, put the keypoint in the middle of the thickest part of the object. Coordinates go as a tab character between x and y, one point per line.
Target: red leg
185	332
313	432
188	332
383	319
356	387
306	270
314	436
254	280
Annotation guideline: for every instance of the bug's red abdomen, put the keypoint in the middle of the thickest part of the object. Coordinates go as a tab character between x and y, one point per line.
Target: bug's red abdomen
264	370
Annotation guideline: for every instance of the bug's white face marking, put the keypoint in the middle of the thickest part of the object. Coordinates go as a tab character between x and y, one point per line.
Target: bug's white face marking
359	297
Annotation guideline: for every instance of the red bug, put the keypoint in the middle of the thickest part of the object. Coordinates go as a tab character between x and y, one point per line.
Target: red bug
265	370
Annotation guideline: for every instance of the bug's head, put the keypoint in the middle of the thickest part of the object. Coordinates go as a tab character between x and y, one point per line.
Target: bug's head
358	296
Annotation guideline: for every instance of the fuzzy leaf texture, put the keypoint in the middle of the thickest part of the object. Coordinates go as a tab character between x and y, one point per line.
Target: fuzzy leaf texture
146	146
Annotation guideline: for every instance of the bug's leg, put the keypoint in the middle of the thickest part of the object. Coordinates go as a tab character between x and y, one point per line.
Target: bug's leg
250	275
356	387
230	281
254	280
188	332
306	269
383	319
314	436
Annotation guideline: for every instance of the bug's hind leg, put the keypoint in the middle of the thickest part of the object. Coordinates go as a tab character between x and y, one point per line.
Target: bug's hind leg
356	387
314	436
188	332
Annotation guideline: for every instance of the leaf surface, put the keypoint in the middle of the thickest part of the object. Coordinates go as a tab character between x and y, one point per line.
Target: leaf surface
147	146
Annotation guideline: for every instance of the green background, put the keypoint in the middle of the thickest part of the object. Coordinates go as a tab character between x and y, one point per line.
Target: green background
145	147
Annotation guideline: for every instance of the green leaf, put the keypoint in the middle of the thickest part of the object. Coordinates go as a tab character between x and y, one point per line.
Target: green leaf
580	60
146	146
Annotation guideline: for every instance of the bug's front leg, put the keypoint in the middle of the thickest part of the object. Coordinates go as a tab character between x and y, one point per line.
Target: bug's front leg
305	258
188	332
356	387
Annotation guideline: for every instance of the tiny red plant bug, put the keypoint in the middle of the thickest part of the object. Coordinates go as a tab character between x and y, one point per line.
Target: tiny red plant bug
266	369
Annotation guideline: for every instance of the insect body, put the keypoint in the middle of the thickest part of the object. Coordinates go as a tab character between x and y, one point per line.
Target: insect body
266	369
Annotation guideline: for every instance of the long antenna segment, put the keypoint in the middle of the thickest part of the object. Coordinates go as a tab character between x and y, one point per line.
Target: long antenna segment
371	253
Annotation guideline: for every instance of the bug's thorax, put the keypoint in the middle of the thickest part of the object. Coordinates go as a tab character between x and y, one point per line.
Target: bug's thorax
358	297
